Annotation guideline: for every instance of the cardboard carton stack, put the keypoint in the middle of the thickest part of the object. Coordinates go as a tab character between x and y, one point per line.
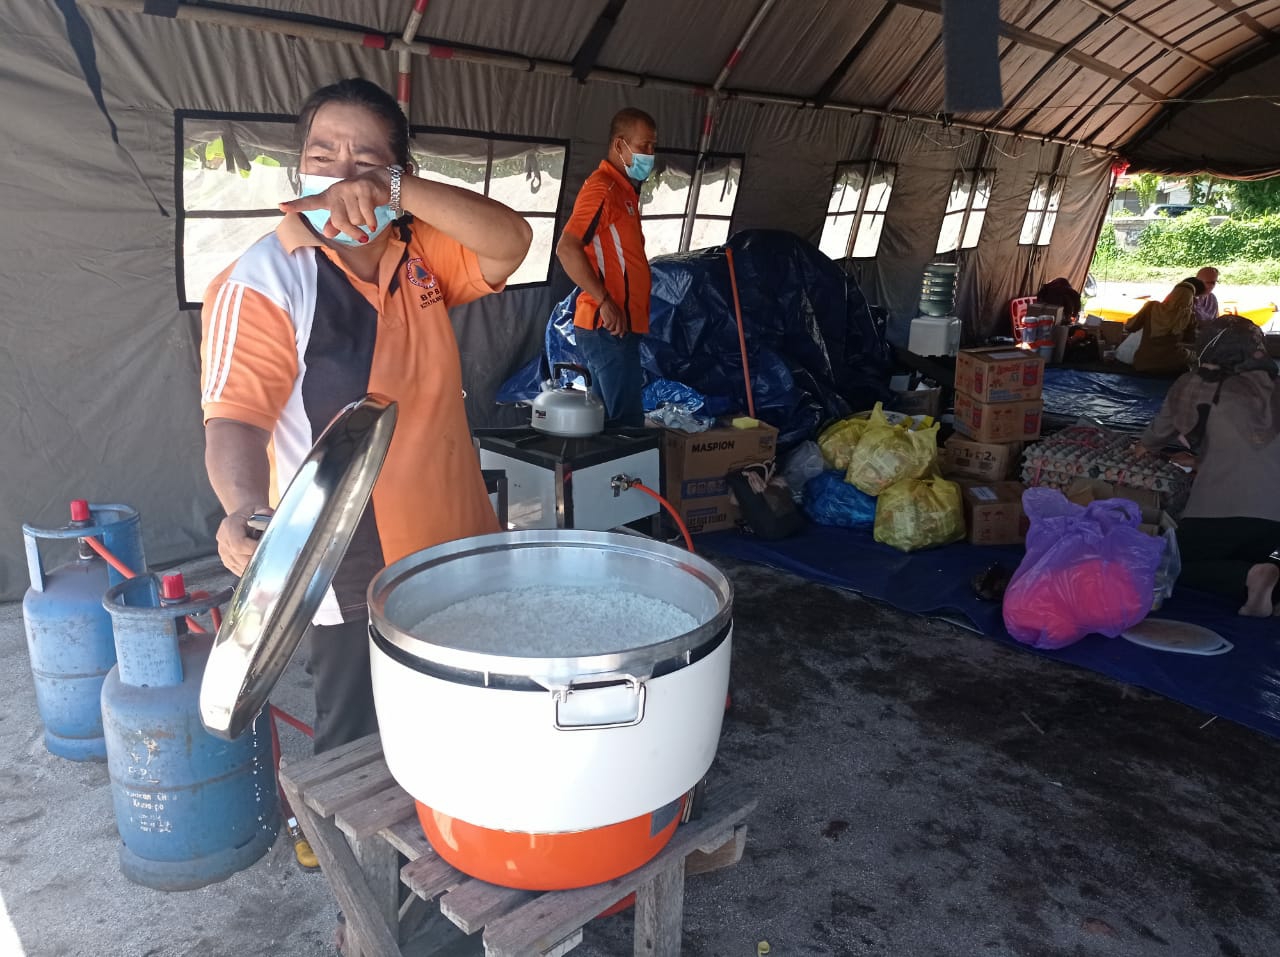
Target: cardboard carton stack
695	466
998	394
998	409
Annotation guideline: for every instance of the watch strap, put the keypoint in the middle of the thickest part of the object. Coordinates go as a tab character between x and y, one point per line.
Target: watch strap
396	173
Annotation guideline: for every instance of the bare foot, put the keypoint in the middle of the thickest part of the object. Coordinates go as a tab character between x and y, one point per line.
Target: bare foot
1260	582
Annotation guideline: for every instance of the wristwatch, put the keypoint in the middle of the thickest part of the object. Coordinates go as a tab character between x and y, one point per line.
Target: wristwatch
396	171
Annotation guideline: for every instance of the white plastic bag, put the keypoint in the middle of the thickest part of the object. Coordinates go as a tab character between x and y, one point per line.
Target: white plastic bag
804	462
1129	348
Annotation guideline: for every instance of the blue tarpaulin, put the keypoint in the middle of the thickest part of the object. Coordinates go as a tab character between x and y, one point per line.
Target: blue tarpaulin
814	348
1127	403
1241	685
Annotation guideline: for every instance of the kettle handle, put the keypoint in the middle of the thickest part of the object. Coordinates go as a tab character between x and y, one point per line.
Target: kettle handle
556	369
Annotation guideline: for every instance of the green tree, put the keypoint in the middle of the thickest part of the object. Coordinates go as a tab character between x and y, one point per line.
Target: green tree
1146	185
1257	198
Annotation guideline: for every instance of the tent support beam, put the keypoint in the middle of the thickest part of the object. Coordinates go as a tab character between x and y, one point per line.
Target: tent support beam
1242	17
1038	42
585	59
709	119
1131	24
837	76
510	61
1012	104
404	73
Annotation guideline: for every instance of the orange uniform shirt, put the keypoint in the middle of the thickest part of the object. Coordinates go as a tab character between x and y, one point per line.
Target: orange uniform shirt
606	215
290	337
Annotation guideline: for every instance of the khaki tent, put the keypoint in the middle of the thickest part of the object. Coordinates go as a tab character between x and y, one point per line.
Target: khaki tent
146	141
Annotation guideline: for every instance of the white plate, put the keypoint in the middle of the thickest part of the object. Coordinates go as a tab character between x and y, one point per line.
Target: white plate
1182	637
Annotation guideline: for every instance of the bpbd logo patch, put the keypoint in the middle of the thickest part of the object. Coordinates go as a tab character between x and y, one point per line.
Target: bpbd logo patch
422	277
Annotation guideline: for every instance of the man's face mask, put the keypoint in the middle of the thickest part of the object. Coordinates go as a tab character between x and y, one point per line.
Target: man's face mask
313	185
641	165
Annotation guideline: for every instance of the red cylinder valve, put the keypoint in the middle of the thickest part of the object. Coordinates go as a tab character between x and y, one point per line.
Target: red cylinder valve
173	588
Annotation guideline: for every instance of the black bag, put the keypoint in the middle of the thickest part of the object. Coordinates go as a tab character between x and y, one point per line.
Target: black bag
765	503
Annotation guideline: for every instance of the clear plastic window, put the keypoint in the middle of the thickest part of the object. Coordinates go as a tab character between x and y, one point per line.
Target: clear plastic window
236	171
856	210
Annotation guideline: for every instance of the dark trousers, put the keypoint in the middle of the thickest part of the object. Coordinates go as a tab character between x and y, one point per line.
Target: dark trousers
338	662
1217	553
616	376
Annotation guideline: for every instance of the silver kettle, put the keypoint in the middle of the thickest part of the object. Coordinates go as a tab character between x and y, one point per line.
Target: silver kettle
566	411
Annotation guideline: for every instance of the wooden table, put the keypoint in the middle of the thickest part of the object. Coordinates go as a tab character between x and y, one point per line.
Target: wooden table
363	828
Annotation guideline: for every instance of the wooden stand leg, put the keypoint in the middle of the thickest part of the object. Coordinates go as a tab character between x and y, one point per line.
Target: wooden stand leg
367	928
380	863
660	914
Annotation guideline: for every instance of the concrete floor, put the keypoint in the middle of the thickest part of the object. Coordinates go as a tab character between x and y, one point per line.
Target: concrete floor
923	791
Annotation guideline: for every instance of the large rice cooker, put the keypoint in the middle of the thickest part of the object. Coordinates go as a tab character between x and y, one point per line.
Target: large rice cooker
540	758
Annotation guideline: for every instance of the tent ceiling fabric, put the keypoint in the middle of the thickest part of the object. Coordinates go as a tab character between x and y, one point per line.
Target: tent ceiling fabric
1103	73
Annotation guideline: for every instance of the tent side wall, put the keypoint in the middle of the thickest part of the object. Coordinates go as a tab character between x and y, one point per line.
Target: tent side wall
102	365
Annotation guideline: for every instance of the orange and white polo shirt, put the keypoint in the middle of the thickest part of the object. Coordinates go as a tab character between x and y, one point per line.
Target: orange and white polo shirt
606	215
290	336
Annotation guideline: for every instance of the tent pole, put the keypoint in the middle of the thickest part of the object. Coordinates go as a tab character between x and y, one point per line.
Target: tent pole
511	61
708	122
404	74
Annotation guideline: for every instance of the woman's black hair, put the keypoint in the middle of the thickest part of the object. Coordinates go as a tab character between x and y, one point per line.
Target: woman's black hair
358	91
1196	283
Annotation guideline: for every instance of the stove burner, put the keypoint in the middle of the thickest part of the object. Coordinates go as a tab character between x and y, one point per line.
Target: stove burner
534	445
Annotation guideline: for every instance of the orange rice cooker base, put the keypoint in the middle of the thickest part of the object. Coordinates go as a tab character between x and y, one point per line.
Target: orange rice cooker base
549	862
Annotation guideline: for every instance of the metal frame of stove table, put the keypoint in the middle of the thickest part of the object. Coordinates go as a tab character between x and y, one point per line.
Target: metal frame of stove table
360	823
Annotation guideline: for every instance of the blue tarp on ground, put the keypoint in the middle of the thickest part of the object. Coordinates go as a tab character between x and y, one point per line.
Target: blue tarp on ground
1243	684
1127	403
815	350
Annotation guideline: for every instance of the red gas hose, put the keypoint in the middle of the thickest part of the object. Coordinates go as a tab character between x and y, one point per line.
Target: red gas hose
105	554
688	539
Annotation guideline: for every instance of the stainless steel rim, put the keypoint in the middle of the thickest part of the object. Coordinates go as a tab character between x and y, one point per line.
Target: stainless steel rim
551	672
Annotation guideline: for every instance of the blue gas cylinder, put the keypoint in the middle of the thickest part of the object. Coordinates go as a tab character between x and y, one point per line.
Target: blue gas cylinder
69	635
191	808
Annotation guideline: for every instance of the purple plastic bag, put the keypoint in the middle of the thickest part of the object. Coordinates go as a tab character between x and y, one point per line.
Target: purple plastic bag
1087	570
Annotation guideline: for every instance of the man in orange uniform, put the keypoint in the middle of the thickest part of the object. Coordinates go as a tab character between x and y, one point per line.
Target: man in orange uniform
602	250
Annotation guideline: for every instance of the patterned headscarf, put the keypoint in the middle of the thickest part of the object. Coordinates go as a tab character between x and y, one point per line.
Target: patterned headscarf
1230	345
1232	358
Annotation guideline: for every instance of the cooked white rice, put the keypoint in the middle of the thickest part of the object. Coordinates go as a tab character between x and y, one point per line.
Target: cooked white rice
555	622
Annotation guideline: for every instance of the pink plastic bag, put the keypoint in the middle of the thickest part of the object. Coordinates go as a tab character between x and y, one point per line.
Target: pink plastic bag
1087	569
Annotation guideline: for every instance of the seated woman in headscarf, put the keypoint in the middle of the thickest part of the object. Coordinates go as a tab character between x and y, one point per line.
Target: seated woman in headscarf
1164	326
1228	412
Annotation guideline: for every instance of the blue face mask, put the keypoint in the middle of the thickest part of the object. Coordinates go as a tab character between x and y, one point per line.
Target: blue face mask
640	167
313	185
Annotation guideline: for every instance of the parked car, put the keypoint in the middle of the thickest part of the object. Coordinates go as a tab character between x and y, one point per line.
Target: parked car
1168	209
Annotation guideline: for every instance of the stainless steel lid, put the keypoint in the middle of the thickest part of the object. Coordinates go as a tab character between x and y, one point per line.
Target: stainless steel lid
294	564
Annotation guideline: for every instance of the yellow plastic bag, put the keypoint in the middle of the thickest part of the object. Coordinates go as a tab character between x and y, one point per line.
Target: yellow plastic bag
838	441
919	513
887	454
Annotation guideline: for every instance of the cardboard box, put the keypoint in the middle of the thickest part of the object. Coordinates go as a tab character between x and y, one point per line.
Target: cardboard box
993	513
1155	520
917	402
961	458
1082	491
999	374
993	422
694	466
1112	333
